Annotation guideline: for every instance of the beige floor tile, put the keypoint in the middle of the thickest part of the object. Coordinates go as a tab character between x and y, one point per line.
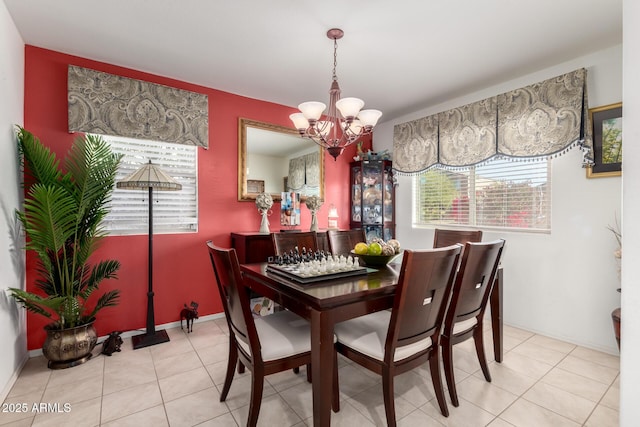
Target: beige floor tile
33	378
465	415
561	402
84	372
527	414
517	333
499	422
611	398
225	420
539	353
218	372
485	395
592	370
184	383
20	407
417	418
353	379
208	337
507	379
129	401
576	384
414	388
127	359
195	408
155	417
82	414
176	364
274	411
526	365
300	398
25	422
370	403
171	348
240	392
129	376
598	357
603	417
74	392
466	361
552	343
213	353
509	342
347	417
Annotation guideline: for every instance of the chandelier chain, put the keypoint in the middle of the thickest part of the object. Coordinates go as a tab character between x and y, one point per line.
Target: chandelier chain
335	58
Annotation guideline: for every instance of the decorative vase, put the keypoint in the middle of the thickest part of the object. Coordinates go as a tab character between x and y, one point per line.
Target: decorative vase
314	221
264	224
65	348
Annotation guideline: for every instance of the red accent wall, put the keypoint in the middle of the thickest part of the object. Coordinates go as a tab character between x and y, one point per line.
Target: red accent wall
182	270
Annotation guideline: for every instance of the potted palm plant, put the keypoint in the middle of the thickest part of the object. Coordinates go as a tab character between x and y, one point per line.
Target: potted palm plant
61	217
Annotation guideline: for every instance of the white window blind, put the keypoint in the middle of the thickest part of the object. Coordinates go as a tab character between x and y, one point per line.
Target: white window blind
498	194
173	211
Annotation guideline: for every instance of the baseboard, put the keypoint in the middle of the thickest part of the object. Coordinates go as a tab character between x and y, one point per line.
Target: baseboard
128	334
14	378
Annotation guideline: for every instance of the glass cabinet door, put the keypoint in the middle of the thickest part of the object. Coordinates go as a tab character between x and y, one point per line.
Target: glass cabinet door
372	198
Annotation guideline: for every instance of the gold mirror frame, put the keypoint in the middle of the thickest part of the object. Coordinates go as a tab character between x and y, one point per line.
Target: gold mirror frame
243	124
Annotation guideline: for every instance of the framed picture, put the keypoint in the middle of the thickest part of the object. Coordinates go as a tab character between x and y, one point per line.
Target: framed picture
607	141
255	186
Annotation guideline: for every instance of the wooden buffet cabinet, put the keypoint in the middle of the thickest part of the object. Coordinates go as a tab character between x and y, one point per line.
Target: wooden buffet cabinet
256	247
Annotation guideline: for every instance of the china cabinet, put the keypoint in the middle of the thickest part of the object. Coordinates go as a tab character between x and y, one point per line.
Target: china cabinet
372	205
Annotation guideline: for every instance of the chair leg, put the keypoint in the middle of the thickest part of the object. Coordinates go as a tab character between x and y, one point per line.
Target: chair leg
335	401
240	368
434	366
231	366
296	370
387	393
447	358
257	384
478	339
308	372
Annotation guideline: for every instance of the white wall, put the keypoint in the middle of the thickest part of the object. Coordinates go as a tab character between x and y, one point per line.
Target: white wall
629	366
13	336
561	284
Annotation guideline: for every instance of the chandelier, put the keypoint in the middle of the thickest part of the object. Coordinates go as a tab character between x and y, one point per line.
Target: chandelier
337	130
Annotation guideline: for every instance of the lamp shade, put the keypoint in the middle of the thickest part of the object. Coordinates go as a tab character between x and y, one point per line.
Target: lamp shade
312	110
369	117
349	107
148	176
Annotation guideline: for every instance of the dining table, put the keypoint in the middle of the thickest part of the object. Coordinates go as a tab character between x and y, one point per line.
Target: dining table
329	301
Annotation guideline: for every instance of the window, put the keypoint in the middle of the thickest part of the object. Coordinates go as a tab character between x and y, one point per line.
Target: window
173	211
500	193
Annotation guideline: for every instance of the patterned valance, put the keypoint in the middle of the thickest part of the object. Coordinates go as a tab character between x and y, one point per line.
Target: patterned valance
112	105
540	120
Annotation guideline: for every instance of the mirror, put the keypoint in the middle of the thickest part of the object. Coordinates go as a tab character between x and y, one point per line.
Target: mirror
273	159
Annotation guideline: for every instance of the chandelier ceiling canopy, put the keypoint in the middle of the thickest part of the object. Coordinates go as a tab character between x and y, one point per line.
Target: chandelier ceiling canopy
345	121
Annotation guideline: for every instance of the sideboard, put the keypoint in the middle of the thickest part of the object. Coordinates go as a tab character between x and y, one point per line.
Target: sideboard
256	247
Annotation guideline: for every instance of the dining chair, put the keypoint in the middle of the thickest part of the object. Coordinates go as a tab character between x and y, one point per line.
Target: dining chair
470	295
442	237
286	241
390	343
265	345
341	242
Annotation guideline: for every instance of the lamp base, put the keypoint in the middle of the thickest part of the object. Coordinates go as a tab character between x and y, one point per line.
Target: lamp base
146	340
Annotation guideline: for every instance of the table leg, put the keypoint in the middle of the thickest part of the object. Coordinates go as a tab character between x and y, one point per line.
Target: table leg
322	366
496	316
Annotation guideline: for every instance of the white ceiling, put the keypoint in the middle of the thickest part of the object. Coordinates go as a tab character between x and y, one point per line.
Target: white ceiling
398	56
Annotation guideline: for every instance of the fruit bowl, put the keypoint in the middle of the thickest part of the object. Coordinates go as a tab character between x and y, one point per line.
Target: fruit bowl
374	260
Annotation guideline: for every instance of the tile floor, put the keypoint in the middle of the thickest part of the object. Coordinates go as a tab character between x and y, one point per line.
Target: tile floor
541	382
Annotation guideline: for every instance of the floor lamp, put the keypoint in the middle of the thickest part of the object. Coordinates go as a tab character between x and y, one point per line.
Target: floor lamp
149	177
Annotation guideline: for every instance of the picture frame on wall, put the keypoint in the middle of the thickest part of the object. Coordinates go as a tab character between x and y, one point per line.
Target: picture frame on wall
255	186
607	141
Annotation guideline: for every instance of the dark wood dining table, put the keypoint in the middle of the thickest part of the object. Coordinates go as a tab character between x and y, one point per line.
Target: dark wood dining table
327	302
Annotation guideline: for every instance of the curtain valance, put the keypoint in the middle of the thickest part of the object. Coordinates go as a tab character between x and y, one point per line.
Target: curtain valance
540	120
113	105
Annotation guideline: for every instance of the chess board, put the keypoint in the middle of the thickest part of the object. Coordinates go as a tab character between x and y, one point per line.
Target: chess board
292	272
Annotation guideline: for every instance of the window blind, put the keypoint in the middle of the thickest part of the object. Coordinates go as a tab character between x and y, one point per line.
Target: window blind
173	211
497	194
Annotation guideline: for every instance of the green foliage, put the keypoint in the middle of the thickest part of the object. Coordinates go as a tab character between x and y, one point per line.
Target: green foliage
611	141
62	216
437	193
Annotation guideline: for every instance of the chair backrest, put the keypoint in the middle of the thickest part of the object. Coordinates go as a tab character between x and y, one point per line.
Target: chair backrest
286	241
423	291
234	296
343	241
442	238
474	281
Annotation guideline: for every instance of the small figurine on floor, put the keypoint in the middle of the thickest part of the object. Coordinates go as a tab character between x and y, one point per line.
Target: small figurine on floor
189	313
112	343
